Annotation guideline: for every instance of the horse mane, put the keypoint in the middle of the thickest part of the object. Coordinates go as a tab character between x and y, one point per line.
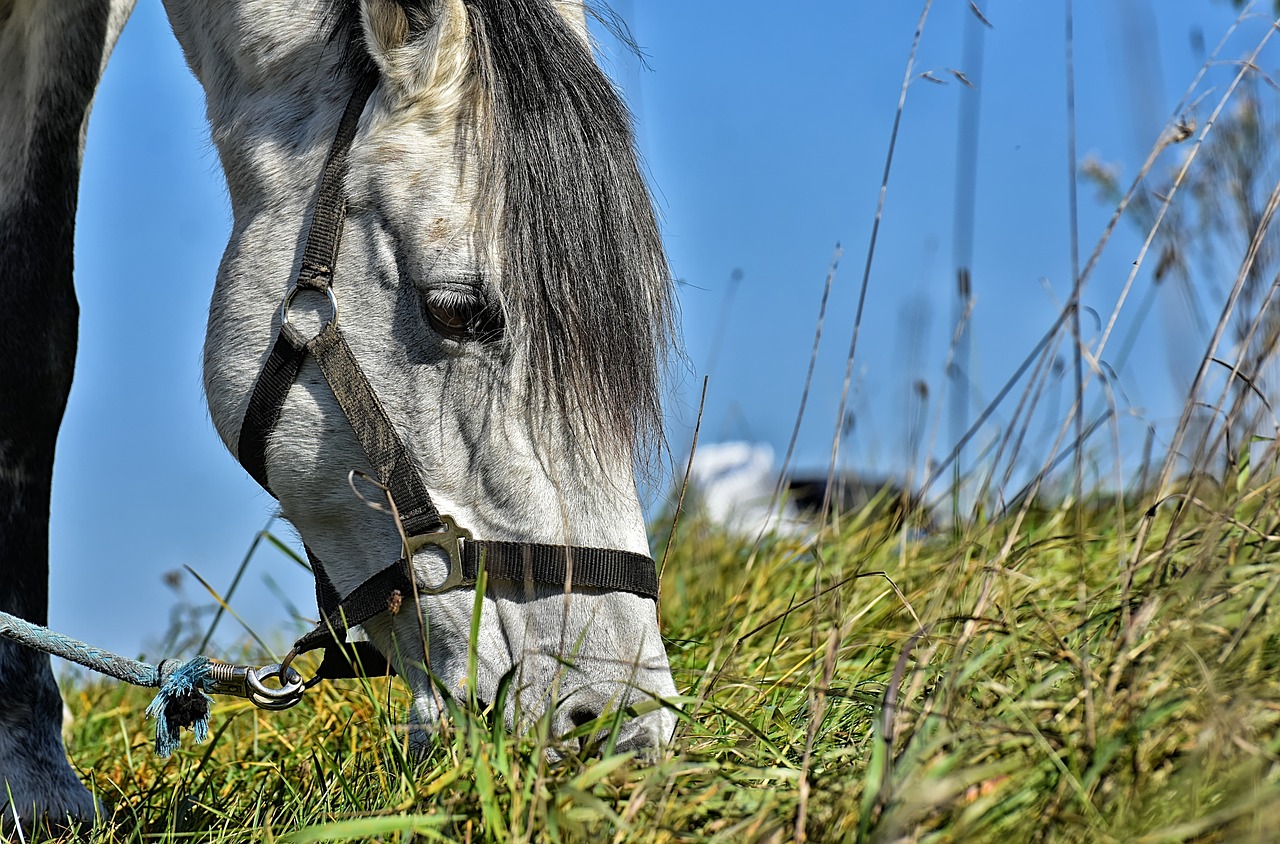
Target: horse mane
586	290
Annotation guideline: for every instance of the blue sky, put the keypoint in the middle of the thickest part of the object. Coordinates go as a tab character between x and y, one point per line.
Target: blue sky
764	128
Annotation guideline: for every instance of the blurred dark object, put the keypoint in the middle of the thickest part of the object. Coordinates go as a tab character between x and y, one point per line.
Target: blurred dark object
853	493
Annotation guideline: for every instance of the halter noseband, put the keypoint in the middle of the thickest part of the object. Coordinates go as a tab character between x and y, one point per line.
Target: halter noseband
422	524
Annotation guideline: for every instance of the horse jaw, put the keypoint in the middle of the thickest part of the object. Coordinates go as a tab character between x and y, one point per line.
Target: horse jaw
494	457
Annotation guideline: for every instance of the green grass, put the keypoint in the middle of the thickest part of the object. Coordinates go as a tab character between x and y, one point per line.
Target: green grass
1002	685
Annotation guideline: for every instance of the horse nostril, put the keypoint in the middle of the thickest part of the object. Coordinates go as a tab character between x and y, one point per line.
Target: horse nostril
577	713
580	715
570	721
643	736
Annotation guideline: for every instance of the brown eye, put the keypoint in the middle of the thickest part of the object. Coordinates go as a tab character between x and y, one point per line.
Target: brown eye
450	319
460	316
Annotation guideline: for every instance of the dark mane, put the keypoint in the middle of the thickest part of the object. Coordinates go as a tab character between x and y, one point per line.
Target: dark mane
585	278
586	288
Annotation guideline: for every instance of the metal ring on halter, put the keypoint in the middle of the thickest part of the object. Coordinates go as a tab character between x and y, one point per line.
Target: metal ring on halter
266	697
448	539
287	304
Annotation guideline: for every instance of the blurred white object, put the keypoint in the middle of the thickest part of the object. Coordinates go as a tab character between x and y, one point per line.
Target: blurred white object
733	484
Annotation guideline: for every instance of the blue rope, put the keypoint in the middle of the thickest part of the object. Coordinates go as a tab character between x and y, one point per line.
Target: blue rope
182	701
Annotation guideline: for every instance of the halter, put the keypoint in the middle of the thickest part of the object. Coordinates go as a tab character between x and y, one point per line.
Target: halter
421	523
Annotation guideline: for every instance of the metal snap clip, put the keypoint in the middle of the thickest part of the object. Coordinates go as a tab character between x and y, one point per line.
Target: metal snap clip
247	682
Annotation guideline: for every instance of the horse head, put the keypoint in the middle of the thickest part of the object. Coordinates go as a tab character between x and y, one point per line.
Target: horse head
501	285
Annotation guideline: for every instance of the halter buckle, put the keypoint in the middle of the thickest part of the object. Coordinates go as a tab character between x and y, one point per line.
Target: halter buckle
448	539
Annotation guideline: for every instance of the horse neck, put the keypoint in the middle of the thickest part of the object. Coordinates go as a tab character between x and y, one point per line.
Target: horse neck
274	88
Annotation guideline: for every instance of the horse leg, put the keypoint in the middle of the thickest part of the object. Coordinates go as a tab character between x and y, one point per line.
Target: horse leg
34	379
52	54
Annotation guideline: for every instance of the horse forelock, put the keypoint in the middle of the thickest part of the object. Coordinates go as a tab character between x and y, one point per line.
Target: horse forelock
585	286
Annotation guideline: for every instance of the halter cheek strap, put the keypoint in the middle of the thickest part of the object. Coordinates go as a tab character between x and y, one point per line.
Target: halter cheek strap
567	567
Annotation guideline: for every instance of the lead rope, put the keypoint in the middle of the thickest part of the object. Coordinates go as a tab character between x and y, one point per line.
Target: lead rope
184	687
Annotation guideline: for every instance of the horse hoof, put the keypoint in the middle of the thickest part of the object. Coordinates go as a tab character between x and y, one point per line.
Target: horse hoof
38	788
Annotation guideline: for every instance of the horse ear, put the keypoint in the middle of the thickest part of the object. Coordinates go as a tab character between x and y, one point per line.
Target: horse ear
386	26
418	46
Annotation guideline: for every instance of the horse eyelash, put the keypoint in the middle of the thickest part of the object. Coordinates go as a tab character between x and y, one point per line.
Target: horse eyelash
452	297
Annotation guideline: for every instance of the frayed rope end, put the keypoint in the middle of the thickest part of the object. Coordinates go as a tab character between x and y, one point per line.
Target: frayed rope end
181	702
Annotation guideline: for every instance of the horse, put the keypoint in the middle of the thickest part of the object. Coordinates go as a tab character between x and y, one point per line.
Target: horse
449	191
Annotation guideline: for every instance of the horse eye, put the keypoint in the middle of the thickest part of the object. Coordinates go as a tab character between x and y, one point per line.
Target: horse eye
450	319
459	316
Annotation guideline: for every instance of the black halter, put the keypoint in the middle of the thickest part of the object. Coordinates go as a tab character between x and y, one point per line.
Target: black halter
523	562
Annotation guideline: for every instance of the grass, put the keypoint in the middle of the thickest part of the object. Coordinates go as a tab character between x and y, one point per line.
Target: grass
870	687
